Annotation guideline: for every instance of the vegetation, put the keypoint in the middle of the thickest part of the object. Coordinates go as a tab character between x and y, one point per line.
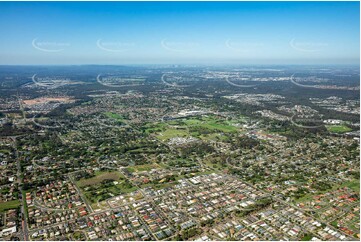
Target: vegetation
9	205
189	233
307	237
114	115
99	177
338	128
105	185
354	185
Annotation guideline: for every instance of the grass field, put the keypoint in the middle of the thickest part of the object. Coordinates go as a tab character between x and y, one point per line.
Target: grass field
338	128
126	187
214	137
9	205
114	115
206	128
304	198
214	166
146	167
212	123
159	185
96	190
155	128
171	133
354	185
99	177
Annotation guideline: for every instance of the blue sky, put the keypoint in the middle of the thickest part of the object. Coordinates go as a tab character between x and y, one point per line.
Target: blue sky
179	33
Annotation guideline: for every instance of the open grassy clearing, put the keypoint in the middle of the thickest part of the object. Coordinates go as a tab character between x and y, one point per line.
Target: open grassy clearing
155	127
213	165
114	115
306	197
214	137
172	133
212	123
105	185
146	167
9	205
159	186
206	128
338	128
182	163
354	185
99	177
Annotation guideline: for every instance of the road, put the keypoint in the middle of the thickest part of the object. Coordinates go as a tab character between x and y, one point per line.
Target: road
24	223
71	178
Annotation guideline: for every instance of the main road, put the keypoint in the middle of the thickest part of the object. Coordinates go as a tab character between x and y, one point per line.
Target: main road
24	222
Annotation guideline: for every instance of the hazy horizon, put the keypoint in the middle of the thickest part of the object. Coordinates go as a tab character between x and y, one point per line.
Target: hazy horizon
180	33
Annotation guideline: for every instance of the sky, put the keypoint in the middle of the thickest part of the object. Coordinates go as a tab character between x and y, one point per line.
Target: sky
74	33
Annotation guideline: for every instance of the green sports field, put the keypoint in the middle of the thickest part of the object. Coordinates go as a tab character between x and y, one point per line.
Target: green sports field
338	128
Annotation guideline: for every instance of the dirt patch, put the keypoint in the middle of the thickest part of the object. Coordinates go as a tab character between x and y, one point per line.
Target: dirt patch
43	100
